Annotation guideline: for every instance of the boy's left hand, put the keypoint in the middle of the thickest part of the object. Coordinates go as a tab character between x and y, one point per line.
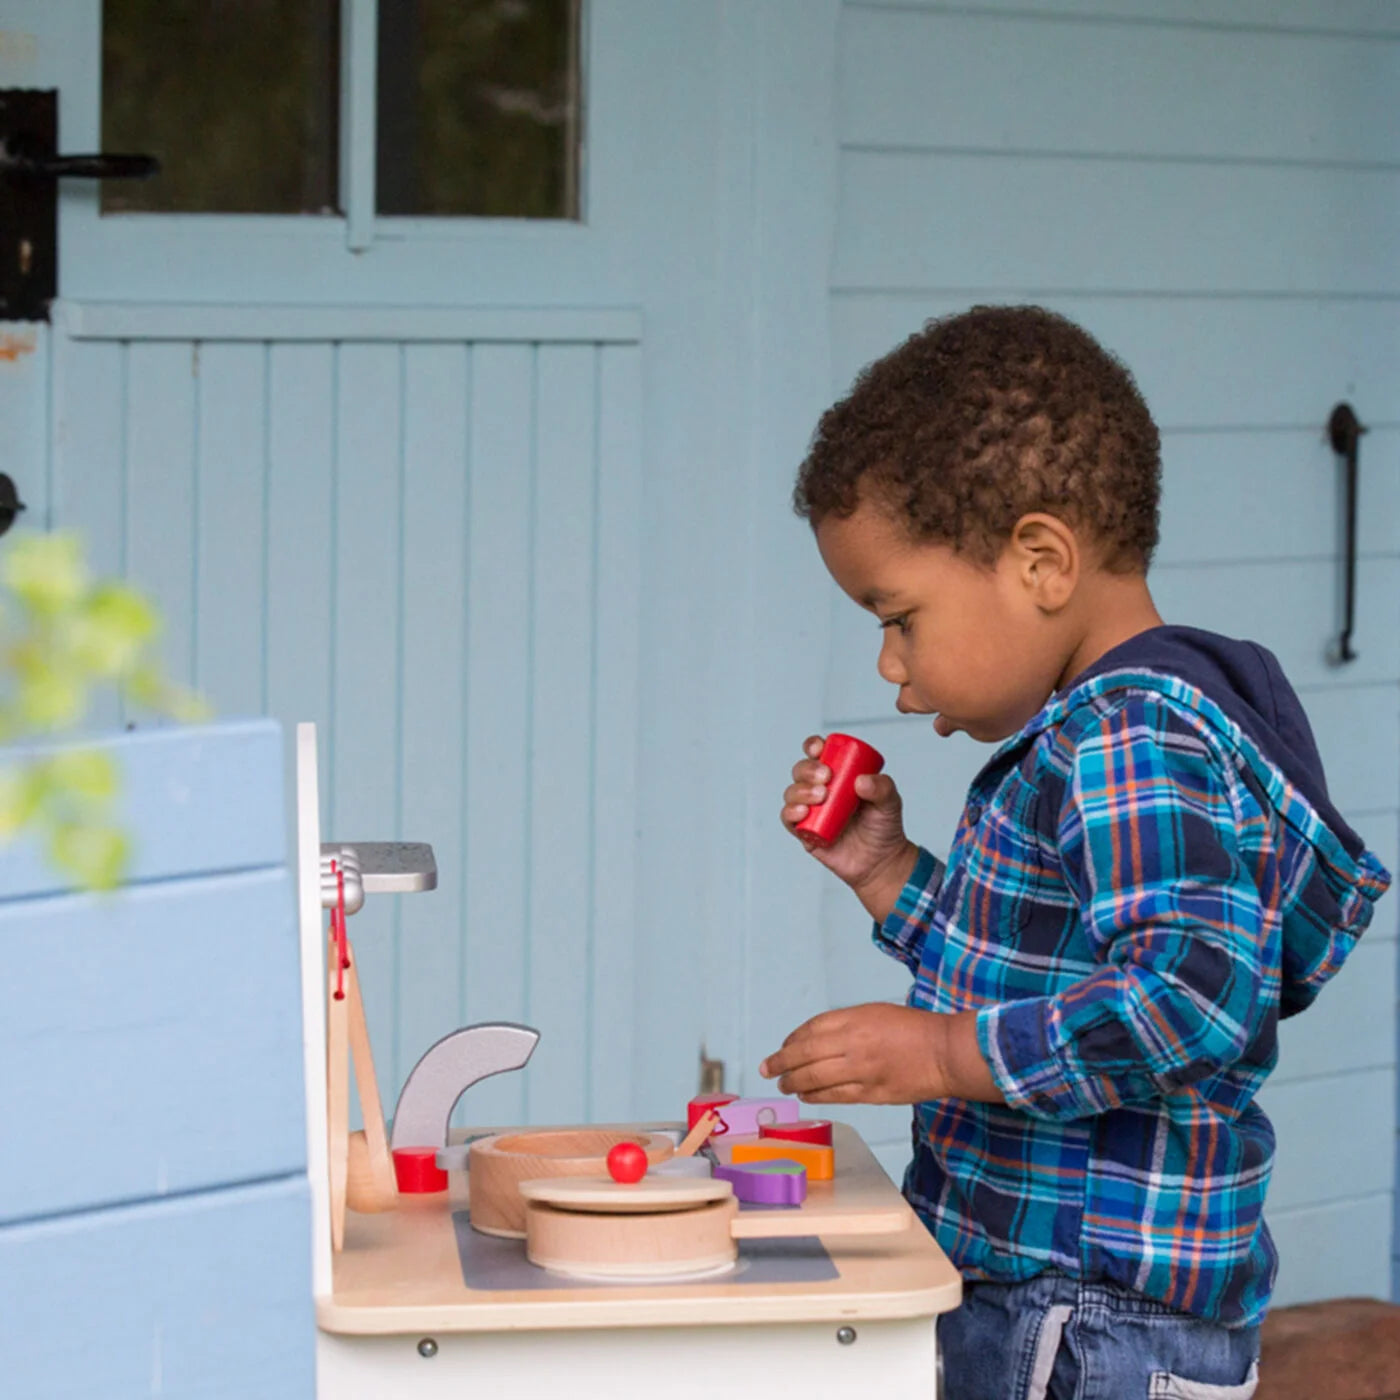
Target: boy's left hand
881	1053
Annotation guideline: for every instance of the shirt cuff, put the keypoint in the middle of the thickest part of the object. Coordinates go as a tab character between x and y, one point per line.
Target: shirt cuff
905	931
1018	1043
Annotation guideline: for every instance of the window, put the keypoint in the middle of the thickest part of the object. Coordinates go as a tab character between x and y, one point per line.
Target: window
478	108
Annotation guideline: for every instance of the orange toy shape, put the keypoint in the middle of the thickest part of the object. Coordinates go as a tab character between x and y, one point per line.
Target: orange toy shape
819	1161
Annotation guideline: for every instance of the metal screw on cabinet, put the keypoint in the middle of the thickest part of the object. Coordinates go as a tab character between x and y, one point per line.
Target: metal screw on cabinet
845	1335
427	1348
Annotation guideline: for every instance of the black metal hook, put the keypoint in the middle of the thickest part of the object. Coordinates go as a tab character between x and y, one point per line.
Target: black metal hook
10	503
1344	431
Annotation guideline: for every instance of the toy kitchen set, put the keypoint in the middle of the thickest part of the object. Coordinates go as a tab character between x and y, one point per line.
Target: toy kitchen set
739	1248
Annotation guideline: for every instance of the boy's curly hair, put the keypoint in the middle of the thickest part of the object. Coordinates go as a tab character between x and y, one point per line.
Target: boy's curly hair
986	415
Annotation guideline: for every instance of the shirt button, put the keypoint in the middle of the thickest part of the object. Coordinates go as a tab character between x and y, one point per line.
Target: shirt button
974	813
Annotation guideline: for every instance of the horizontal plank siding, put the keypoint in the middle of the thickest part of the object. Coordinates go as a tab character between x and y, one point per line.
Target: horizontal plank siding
1176	93
1309	18
1221	363
159	1034
1338	1249
1213	188
197	800
151	1044
907	219
206	1295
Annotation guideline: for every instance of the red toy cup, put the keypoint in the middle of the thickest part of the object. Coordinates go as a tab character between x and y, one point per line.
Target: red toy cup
848	758
417	1172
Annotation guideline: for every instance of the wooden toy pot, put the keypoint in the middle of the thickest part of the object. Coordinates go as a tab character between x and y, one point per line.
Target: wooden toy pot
662	1227
497	1165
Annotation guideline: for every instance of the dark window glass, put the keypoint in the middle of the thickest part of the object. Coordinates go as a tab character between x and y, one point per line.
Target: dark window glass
237	98
479	108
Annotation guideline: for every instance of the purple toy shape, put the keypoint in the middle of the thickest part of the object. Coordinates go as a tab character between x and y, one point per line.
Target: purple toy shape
778	1182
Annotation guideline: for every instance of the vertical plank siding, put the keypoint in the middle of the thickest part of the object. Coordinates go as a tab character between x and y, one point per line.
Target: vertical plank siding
431	550
1186	163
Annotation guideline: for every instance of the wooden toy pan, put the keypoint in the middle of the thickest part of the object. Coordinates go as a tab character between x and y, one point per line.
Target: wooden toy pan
497	1165
670	1227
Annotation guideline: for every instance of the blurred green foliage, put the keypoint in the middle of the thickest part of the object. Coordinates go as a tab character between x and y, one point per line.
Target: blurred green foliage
64	637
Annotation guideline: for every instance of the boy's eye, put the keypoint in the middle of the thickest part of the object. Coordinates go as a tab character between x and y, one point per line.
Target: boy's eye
901	622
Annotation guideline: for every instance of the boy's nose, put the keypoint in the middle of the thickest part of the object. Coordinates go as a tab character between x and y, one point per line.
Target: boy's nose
889	665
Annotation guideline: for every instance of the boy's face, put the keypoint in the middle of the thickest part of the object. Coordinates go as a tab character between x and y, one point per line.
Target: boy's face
968	644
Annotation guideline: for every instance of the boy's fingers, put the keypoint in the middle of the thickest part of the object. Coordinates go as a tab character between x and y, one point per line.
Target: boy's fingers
819	1077
838	1093
877	788
812	745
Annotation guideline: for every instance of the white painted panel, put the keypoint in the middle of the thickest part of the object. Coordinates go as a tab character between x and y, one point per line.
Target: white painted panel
497	710
1201	362
159	525
913	220
1273	495
433	660
614	911
1311	1116
935	79
89	463
563	705
1339	1250
1349	1027
230	509
300	564
1375	17
367	616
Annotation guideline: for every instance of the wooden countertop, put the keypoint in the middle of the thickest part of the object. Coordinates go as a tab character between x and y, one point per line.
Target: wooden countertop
400	1272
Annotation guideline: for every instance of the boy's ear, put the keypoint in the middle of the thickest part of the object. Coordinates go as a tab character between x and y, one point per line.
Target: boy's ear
1047	559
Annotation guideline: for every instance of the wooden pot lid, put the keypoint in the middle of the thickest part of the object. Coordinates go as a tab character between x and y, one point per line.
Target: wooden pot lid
601	1195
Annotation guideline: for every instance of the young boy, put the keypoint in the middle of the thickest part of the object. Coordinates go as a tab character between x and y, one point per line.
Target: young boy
1148	873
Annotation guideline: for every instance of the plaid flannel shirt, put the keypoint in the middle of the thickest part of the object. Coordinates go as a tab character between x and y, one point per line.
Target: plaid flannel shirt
1133	893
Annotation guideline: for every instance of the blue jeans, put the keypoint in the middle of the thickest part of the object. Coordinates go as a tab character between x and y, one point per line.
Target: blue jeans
1053	1337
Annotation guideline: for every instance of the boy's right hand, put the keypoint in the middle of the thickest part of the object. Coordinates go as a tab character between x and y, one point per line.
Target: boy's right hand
872	855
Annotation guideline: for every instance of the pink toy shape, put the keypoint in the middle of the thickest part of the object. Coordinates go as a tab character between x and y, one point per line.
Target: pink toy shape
775	1183
744	1117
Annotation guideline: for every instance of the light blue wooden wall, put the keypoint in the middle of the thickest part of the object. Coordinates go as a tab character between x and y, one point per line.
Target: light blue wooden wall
1211	188
425	540
155	1227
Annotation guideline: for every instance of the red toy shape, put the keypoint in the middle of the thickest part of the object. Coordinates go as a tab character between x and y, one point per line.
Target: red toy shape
814	1130
847	757
696	1109
627	1163
417	1172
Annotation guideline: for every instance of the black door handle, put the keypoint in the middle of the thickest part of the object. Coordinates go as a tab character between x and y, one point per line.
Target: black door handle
1344	430
23	158
30	169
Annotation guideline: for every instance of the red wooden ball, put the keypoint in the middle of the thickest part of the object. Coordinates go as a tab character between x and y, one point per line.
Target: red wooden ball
627	1163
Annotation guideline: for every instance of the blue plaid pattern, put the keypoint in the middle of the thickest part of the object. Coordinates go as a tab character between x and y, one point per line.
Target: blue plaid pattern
1134	895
